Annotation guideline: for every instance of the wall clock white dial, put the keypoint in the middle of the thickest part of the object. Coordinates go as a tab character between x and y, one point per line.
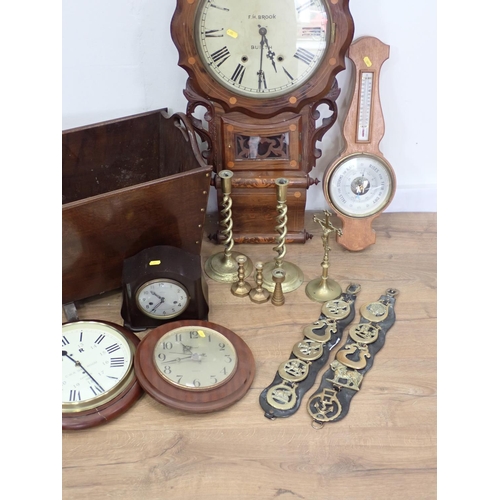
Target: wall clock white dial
259	48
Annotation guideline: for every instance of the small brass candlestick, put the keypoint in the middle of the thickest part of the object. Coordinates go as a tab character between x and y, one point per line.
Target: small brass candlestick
324	289
222	266
259	294
294	276
241	288
279	276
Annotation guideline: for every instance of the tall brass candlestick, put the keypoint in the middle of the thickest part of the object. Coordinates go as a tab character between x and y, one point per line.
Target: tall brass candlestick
294	276
222	266
324	289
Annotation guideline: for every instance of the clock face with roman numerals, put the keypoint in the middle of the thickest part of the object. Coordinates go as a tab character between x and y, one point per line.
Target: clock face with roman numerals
262	48
97	363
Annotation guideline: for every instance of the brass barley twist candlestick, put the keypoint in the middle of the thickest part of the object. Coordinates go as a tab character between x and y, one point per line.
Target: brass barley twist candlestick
324	289
294	276
222	266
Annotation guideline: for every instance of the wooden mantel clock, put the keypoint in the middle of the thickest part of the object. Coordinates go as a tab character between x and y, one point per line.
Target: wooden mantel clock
260	70
361	183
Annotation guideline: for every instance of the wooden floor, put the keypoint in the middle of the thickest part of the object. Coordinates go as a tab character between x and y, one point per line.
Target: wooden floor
385	448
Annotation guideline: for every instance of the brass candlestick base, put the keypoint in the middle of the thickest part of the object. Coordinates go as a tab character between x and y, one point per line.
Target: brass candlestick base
294	276
224	268
324	289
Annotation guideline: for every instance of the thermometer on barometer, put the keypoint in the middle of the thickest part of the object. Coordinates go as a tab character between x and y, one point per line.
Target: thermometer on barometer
365	102
361	183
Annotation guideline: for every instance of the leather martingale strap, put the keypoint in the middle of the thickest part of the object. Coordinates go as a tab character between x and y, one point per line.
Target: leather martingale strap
340	383
296	376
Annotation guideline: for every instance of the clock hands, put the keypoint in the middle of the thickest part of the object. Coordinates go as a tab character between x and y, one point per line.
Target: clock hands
78	364
270	54
262	32
162	300
186	348
193	357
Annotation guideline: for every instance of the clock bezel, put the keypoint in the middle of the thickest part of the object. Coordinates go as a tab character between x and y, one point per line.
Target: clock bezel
330	171
200	401
129	392
315	87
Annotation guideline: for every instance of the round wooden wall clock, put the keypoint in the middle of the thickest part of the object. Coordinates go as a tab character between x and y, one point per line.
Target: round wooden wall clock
161	284
261	69
98	377
361	183
195	366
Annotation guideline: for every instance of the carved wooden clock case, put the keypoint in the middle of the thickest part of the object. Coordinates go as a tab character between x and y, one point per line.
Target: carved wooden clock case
260	70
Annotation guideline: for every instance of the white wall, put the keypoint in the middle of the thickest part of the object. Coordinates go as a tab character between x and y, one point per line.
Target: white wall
118	59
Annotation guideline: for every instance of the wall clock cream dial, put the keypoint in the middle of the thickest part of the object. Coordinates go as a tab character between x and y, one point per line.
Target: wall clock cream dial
98	377
260	48
195	366
195	358
162	298
361	183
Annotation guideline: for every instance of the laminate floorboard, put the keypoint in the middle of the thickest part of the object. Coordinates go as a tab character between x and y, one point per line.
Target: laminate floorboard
385	448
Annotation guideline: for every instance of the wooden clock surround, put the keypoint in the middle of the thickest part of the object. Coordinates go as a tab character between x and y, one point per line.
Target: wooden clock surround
261	139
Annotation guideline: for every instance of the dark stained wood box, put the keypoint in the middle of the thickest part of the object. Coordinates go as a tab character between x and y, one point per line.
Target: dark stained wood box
128	184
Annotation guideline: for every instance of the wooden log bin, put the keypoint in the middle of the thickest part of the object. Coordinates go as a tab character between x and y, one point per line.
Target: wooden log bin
128	184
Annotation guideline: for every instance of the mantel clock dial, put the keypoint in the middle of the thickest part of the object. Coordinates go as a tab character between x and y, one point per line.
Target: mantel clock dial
361	183
195	366
98	377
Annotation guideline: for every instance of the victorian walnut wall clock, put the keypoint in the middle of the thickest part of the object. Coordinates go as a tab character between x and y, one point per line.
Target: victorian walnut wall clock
361	183
260	70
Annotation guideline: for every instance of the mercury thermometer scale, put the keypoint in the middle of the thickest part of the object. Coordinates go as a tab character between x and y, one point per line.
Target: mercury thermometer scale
365	101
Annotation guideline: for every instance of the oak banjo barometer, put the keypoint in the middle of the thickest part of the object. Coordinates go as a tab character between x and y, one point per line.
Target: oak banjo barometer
260	70
361	183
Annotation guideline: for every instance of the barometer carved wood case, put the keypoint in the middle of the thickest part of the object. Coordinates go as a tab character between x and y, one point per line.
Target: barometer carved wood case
260	71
